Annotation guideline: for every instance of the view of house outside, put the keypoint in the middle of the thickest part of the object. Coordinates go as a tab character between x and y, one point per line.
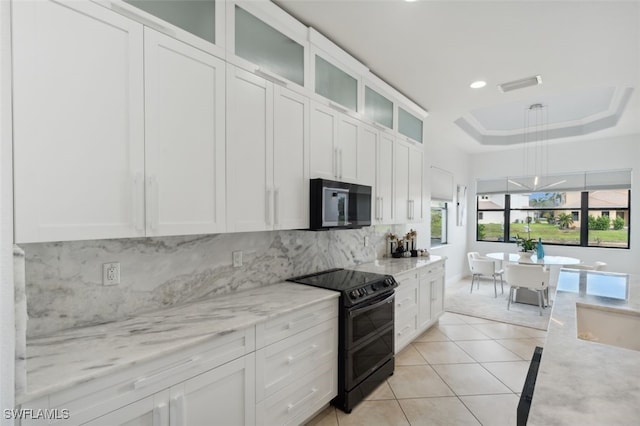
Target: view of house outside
556	217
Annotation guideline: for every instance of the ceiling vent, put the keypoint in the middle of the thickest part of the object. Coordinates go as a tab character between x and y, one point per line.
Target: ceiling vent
520	84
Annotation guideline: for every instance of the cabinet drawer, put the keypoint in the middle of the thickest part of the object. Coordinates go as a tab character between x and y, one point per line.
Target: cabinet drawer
406	297
297	402
102	395
406	327
283	363
435	269
279	328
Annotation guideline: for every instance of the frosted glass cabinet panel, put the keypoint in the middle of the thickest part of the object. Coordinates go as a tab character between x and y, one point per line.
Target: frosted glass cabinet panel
267	47
195	16
409	125
335	84
378	108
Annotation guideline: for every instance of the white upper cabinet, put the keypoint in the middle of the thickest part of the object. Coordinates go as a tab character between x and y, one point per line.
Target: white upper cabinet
408	183
335	84
78	122
377	107
385	162
336	76
199	23
410	125
401	182
249	144
368	140
267	41
184	138
334	145
290	160
267	155
416	184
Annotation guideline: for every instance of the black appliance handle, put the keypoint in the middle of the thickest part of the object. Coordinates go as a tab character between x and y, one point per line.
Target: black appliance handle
371	306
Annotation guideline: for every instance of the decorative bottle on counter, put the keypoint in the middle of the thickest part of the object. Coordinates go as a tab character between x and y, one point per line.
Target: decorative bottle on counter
540	250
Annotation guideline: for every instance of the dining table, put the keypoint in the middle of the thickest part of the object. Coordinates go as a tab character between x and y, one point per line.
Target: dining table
555	263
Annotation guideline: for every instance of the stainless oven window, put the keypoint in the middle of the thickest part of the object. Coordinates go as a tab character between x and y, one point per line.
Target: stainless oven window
364	360
367	320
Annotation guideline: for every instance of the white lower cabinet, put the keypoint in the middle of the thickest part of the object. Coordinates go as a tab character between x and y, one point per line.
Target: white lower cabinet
419	302
298	401
225	393
296	376
150	411
280	371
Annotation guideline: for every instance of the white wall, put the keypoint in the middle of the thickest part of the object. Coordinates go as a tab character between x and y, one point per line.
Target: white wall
446	156
7	330
597	154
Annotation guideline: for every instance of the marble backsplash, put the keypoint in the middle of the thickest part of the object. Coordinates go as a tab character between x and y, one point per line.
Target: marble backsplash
64	279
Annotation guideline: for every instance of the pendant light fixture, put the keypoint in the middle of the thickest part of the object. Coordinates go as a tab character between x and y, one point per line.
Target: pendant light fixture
535	151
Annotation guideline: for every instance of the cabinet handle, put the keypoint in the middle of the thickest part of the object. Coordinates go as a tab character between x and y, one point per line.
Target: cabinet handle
268	75
137	16
335	162
160	414
177	413
146	381
381	208
291	407
339	107
152	208
291	359
294	323
276	209
267	207
135	199
401	332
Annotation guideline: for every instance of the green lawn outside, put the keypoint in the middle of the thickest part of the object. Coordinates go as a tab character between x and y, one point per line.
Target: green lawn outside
553	234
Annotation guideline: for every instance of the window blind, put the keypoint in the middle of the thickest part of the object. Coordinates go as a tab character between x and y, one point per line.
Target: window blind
441	184
583	181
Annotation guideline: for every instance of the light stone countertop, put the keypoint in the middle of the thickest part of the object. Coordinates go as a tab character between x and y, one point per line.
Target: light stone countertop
391	266
73	356
581	382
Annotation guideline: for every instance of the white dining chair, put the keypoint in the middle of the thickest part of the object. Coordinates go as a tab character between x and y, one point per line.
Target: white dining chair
532	277
485	266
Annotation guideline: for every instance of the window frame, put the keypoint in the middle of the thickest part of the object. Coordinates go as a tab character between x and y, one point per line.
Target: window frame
444	213
583	212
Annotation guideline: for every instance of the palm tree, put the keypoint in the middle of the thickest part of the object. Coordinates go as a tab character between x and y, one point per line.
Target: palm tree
564	220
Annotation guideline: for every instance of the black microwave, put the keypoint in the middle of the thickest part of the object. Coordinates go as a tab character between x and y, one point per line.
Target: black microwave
338	205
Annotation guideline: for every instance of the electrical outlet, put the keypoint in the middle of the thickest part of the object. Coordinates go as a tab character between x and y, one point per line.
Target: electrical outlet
366	241
111	273
237	259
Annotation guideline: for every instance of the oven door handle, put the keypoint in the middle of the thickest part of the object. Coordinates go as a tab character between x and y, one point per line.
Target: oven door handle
367	308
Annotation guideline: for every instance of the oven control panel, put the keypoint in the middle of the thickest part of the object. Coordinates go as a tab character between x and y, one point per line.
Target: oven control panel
373	288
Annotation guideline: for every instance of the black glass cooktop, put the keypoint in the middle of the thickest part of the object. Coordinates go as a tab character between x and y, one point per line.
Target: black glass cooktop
340	279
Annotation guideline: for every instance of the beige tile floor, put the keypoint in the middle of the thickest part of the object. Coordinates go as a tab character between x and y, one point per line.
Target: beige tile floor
462	371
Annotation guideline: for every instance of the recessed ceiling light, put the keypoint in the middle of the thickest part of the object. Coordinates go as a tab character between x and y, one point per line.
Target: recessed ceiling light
410	1
478	84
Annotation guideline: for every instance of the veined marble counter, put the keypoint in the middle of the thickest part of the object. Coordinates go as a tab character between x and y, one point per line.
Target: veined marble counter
73	356
391	266
581	382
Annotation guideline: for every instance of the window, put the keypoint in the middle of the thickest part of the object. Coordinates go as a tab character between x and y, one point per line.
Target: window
608	218
439	221
555	217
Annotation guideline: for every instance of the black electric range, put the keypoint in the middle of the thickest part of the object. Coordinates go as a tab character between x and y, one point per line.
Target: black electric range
366	335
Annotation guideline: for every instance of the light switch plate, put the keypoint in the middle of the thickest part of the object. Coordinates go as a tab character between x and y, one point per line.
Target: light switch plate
111	273
237	259
366	241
